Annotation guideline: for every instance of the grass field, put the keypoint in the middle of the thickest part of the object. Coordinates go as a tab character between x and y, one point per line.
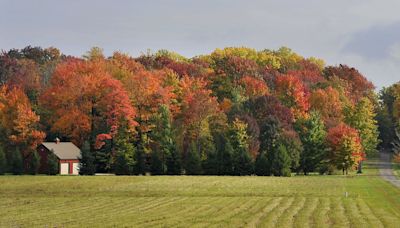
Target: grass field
182	201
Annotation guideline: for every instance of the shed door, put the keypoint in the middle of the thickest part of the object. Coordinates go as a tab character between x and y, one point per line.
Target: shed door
64	168
75	168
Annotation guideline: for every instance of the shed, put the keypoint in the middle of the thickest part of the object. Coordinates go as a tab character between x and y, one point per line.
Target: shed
67	153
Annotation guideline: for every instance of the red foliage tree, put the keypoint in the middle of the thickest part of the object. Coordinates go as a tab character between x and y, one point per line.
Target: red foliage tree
293	93
84	99
346	148
357	86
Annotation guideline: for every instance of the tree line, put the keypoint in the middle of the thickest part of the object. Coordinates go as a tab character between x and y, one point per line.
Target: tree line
235	111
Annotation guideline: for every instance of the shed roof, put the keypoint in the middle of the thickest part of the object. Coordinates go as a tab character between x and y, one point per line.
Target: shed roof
63	150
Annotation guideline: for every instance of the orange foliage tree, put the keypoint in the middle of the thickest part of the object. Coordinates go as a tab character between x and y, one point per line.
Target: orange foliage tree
327	102
293	93
86	101
346	148
254	87
18	123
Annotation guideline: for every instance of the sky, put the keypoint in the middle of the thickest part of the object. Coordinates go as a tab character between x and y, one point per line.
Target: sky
364	34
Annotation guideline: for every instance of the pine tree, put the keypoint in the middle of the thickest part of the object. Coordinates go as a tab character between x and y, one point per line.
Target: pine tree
270	136
312	135
52	164
34	163
17	165
157	165
87	166
281	163
3	161
242	164
125	153
163	138
174	163
226	158
193	161
261	166
140	155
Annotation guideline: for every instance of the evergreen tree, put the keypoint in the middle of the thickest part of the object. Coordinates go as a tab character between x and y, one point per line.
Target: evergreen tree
140	155
157	164
210	164
103	157
52	164
164	141
294	148
125	153
193	161
242	164
261	165
3	161
312	135
174	164
17	164
226	158
281	162
270	136
34	163
87	166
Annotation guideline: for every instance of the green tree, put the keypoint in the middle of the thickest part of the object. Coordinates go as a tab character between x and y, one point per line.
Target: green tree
52	164
292	142
242	164
34	163
269	139
193	161
17	164
87	165
3	161
362	117
162	136
157	163
281	162
125	154
261	166
140	155
312	135
174	163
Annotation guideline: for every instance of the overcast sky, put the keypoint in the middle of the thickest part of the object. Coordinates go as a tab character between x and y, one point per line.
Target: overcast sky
361	33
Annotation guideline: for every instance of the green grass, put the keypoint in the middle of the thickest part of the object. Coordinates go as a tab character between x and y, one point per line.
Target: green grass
182	201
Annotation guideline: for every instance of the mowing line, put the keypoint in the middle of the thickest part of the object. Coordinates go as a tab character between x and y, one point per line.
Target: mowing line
271	219
303	218
287	219
272	204
320	215
338	216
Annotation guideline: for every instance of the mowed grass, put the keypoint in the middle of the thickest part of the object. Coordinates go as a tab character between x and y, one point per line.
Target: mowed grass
203	201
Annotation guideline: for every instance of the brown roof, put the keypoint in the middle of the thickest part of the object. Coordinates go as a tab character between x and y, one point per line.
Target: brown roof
63	150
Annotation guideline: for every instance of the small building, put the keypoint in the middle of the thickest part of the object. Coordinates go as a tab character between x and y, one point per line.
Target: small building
67	153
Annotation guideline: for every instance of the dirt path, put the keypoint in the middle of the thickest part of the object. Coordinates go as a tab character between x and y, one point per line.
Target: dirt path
386	171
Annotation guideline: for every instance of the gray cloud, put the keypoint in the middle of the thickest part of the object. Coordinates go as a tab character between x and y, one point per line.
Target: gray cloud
375	43
360	33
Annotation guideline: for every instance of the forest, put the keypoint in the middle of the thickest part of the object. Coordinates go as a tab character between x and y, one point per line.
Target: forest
235	111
